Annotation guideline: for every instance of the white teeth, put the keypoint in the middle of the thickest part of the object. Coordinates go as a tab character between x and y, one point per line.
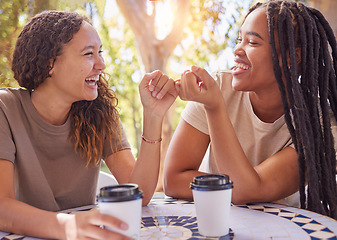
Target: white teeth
92	79
242	66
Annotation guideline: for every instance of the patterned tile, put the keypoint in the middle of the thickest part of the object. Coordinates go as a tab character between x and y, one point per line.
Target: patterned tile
313	228
13	237
174	227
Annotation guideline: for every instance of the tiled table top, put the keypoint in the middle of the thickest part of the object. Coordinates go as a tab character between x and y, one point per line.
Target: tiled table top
176	219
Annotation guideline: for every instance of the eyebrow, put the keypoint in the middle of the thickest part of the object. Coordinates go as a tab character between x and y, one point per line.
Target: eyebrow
255	34
90	47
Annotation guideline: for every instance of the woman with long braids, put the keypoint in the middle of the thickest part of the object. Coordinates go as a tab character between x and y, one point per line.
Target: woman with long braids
56	129
270	121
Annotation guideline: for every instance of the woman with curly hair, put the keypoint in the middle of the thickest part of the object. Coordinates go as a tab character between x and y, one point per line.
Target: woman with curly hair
56	129
270	121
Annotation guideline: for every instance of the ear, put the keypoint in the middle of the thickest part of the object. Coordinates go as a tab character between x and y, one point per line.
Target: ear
51	72
51	66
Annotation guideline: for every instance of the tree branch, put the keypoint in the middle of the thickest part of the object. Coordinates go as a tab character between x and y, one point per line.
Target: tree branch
135	13
176	34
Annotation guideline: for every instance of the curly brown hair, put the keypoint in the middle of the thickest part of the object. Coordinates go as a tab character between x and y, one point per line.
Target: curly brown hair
93	122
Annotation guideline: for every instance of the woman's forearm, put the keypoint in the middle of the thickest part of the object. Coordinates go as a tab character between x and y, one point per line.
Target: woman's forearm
229	155
20	218
146	170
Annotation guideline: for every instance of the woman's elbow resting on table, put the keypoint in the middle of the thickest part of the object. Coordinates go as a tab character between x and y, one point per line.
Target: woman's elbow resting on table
174	191
177	185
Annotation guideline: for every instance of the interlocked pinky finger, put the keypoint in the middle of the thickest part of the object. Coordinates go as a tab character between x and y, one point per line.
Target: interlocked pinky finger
160	84
166	87
153	83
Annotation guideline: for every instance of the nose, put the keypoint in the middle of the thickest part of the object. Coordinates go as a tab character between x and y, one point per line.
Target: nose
238	50
99	63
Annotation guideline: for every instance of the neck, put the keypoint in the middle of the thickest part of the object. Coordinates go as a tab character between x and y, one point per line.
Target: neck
267	108
50	108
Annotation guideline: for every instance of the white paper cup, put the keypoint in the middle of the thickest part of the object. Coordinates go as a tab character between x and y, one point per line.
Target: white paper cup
212	194
124	202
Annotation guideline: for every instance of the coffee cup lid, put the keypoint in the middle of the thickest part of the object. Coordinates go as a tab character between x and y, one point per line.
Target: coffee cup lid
119	193
211	182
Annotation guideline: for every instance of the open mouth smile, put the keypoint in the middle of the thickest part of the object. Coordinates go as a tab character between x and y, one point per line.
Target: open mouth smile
92	81
241	66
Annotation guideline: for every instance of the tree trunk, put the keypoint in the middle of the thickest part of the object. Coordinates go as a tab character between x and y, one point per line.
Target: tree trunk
155	53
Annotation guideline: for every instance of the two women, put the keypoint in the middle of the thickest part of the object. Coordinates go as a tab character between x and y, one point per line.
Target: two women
269	122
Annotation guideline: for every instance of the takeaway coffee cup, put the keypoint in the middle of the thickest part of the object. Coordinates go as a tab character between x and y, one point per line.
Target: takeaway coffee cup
212	194
124	202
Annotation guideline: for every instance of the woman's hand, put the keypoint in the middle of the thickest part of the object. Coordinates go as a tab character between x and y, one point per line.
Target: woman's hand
87	225
157	92
197	85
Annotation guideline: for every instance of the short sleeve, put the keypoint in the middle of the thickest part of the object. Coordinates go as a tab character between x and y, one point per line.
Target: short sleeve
194	114
123	143
7	146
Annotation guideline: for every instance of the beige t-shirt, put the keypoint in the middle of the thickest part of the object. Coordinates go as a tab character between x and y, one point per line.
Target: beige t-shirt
48	173
259	140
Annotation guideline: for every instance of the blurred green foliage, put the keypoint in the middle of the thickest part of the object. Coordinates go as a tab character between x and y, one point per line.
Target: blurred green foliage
10	14
211	28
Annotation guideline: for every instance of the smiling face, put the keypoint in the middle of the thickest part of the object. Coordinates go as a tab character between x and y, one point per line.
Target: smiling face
254	66
76	71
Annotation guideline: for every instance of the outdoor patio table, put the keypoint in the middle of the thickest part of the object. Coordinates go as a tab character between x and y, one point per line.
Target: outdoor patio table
167	218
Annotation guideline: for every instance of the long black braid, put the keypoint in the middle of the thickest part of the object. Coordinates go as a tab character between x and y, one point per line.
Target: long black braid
308	88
